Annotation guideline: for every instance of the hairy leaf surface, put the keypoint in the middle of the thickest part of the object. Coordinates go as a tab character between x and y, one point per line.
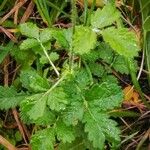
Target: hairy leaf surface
30	30
29	43
84	40
105	17
100	128
43	140
64	132
32	81
105	96
57	99
122	41
9	98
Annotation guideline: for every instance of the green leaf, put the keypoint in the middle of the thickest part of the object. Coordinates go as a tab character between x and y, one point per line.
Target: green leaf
94	130
73	113
38	109
43	140
27	105
9	98
30	30
120	65
57	99
91	56
84	40
105	17
34	82
100	128
105	96
64	133
45	35
122	41
28	43
105	52
82	78
96	69
115	60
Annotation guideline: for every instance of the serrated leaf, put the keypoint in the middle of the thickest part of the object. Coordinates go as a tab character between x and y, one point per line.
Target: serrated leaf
45	35
102	129
38	109
105	96
105	52
57	99
96	69
34	82
9	98
30	30
84	40
27	105
122	41
29	43
91	56
82	78
73	113
94	130
105	17
64	133
120	65
43	140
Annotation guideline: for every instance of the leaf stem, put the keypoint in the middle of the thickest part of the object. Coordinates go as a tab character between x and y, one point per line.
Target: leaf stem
46	54
55	85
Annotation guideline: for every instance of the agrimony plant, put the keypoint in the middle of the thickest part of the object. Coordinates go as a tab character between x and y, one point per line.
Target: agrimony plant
72	109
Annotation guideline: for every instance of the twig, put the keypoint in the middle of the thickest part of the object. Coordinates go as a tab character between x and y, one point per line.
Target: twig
27	12
14	111
17	6
7	144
